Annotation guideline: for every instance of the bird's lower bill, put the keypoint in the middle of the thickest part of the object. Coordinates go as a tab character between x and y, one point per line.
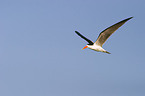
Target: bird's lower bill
85	47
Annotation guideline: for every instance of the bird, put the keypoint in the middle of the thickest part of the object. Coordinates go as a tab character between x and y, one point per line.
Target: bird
103	36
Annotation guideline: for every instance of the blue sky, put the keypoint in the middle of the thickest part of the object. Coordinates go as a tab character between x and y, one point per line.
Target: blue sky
40	54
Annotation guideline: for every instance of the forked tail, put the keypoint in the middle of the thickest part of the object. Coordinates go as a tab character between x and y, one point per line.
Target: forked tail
107	52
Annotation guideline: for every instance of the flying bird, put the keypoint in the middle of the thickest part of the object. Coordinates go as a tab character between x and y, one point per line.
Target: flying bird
103	36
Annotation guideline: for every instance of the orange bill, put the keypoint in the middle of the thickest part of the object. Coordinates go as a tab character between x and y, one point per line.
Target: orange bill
85	47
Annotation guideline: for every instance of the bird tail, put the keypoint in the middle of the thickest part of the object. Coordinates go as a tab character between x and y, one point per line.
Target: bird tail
107	52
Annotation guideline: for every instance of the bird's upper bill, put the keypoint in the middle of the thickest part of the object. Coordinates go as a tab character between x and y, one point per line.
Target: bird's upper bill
85	47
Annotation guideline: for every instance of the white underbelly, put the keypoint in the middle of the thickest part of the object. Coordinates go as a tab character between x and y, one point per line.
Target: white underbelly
97	48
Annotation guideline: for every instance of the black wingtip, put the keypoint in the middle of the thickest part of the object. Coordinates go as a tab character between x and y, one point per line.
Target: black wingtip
79	34
76	31
89	41
128	18
125	20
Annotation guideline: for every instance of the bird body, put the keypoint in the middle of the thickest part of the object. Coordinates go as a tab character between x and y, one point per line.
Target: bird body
103	36
95	47
98	48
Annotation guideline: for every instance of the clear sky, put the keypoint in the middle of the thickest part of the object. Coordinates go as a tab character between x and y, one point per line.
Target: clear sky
40	54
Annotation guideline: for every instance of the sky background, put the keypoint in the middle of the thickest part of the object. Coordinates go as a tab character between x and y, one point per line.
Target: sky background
40	54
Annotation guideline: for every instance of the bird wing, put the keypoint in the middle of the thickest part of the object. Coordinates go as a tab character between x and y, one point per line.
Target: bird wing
104	35
89	41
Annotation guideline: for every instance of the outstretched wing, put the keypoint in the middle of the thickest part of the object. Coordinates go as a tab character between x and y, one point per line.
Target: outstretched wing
89	41
104	35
